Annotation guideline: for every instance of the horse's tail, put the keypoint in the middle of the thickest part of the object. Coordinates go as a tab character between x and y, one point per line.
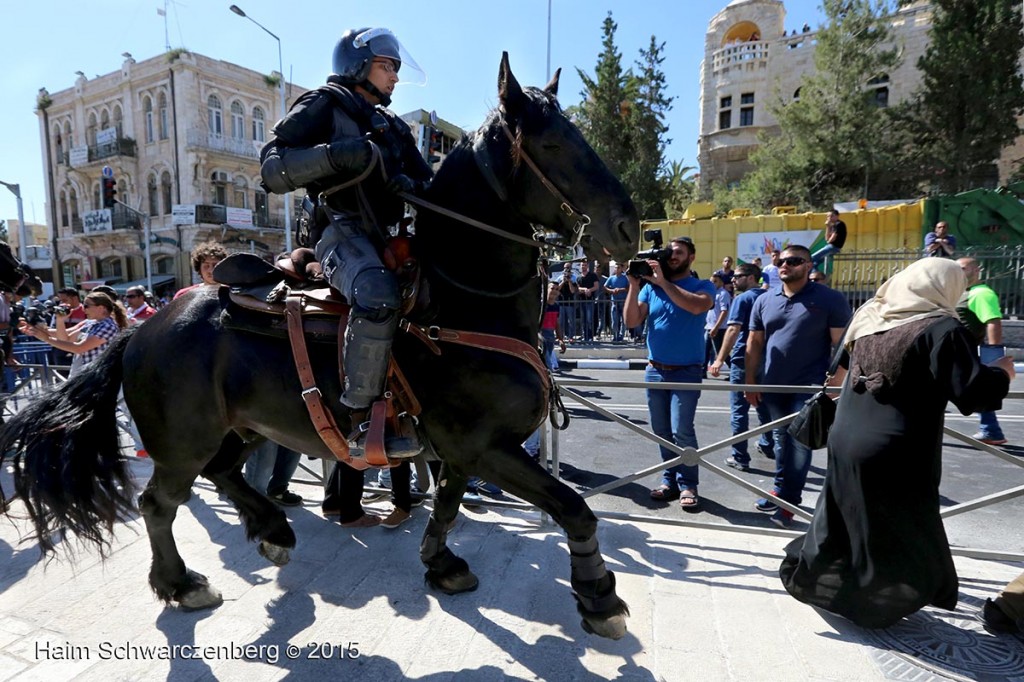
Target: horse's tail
68	467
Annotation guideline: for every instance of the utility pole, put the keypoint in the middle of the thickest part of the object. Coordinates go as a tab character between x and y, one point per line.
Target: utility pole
22	238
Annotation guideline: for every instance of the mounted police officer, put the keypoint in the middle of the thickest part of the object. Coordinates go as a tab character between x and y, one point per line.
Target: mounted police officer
333	143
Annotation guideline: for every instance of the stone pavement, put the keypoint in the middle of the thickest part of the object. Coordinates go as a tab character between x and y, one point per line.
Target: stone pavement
706	604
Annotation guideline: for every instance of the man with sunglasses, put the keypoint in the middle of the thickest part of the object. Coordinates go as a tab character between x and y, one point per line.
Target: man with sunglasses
138	309
793	329
355	158
676	303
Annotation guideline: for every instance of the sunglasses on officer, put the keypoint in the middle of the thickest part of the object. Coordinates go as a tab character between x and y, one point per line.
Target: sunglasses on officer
793	261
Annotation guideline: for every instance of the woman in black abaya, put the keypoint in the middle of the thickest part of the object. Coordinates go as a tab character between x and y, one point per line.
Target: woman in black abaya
876	550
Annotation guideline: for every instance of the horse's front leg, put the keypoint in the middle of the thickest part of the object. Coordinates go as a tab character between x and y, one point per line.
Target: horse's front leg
446	571
604	613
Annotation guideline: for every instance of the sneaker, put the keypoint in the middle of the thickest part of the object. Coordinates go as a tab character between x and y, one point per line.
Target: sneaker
143	453
396	518
364	521
782	518
736	464
767	453
374	495
471	499
483	486
997	621
330	512
286	498
765	505
989	441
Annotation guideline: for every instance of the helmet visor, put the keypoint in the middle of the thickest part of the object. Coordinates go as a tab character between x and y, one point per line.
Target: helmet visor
383	43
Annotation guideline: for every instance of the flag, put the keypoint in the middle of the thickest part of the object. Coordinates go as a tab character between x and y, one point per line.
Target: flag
161	12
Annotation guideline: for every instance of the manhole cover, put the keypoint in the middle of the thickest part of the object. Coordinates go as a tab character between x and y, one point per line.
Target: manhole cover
951	644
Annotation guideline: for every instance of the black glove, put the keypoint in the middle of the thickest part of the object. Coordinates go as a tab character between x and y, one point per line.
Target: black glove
403	183
350	156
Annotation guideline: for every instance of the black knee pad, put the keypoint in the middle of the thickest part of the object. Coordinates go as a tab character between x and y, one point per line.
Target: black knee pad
374	289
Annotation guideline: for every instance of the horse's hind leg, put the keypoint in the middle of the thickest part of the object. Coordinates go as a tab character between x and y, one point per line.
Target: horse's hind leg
168	576
603	612
263	519
445	571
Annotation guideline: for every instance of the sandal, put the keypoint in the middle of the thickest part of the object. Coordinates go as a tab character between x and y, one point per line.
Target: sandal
688	501
664	493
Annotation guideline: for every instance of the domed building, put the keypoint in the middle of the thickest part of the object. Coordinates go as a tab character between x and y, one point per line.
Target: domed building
753	55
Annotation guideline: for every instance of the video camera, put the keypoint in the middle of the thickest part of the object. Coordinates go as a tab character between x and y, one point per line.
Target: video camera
638	267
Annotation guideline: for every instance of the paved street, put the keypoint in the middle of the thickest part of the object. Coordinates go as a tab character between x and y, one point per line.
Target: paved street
595	450
704	603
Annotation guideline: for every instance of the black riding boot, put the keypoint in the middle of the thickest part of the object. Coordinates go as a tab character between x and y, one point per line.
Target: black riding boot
366	355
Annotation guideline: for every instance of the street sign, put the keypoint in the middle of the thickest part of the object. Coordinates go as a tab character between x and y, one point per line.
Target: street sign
108	172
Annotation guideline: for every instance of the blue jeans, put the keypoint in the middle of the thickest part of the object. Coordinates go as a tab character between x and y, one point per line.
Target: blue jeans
672	414
567	315
739	416
270	468
792	460
819	256
618	325
547	349
990	428
587	310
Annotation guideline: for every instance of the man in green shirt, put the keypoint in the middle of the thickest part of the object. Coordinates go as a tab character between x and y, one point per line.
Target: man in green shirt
980	313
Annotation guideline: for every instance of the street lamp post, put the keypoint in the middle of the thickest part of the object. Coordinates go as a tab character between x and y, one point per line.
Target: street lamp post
22	238
280	62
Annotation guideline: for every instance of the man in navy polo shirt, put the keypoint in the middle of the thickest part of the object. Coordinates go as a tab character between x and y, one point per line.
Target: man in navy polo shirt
793	329
676	302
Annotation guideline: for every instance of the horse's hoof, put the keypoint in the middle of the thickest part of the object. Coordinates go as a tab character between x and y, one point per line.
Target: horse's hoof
200	597
453	583
275	554
613	627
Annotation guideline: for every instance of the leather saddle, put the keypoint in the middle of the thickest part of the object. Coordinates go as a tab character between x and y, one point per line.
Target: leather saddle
291	299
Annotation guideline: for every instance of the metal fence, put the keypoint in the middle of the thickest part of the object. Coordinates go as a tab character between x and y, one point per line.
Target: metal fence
858	274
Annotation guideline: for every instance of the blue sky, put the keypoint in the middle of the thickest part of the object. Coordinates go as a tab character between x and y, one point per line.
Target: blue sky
458	43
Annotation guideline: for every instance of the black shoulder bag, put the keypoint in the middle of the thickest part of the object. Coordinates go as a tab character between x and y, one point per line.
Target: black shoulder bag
814	421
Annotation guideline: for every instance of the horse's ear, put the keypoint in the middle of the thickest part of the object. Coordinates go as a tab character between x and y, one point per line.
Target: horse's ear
552	87
509	92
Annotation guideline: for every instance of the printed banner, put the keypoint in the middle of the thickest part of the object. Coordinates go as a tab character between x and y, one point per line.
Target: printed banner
751	245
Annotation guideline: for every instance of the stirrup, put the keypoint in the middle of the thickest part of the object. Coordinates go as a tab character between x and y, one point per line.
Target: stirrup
403	442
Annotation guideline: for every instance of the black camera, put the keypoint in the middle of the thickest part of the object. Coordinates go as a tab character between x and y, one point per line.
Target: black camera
638	267
33	315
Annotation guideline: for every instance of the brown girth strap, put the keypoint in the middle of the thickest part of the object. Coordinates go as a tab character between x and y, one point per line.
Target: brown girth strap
493	342
323	420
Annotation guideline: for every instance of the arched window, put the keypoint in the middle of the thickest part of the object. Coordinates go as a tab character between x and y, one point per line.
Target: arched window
237	121
215	115
97	200
219	188
90	131
240	188
162	111
118	121
166	190
151	194
58	143
110	268
879	86
63	209
258	125
147	108
261	215
163	265
73	205
68	141
104	120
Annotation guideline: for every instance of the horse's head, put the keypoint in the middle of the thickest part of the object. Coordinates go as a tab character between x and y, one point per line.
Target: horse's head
555	178
14	274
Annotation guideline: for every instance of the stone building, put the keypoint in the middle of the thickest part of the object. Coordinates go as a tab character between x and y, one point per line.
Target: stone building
181	135
754	56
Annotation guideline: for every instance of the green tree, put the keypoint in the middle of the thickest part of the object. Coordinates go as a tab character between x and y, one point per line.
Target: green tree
645	132
600	116
971	92
679	188
838	140
3	231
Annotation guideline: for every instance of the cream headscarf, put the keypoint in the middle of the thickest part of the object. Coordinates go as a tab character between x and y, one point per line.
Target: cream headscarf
929	287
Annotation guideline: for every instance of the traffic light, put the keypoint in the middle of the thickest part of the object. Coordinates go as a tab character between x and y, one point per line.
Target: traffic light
434	143
109	190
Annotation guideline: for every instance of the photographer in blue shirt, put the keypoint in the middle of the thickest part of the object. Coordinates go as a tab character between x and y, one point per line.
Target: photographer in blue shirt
676	302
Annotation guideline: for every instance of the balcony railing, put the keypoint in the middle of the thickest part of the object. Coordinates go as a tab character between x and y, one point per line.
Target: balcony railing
122	146
222	143
738	54
121	218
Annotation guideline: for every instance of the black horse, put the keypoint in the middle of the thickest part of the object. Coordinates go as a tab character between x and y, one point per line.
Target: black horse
200	392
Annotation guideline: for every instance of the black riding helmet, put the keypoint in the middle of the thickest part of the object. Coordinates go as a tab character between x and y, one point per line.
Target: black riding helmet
354	53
